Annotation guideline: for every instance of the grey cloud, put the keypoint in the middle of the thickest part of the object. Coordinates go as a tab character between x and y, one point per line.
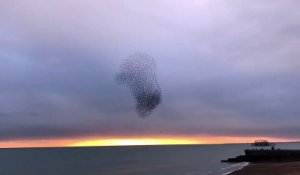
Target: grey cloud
4	114
229	65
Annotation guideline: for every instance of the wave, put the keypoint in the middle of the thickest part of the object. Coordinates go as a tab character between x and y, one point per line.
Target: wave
234	167
223	171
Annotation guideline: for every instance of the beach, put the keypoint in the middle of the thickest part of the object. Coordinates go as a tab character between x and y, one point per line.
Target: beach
286	168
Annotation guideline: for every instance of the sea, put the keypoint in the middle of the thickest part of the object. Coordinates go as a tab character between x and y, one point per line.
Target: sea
125	160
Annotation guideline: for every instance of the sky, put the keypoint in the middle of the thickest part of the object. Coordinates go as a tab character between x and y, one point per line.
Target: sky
226	69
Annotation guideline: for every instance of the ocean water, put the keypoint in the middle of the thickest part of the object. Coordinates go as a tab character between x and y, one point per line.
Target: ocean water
134	160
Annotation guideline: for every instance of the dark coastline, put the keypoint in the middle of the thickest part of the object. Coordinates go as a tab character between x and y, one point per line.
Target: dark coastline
267	155
268	162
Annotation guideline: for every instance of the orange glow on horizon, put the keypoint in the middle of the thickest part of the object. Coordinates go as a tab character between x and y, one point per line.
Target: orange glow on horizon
135	141
123	141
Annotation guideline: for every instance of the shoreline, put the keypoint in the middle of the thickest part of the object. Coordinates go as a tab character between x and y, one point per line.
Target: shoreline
272	168
238	165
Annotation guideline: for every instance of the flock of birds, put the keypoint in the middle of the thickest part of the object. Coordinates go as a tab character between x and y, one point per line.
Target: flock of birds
138	72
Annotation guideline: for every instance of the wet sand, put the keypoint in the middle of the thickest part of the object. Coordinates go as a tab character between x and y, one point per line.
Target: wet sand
287	168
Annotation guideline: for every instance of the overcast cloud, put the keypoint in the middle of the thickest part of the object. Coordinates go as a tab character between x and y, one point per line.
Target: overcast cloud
225	67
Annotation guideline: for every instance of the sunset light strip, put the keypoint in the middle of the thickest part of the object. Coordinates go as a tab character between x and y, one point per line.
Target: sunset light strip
142	141
129	141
